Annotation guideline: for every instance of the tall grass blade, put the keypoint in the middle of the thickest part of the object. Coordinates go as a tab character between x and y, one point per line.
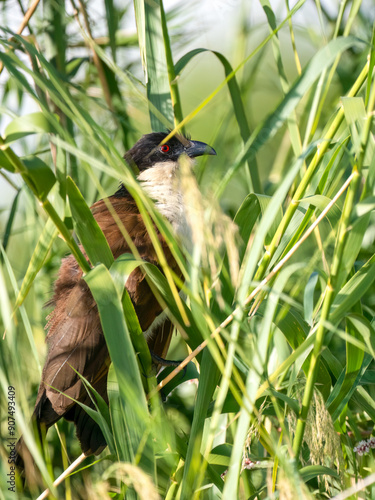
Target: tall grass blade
151	41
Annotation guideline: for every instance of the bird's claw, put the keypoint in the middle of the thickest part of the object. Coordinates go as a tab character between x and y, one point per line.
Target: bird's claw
164	362
167	362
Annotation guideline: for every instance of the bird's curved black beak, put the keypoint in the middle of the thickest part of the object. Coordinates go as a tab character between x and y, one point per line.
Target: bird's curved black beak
198	148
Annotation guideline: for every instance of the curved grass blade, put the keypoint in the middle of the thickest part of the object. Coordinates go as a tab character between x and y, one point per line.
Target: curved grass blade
87	229
238	107
320	201
175	95
194	465
151	42
352	291
9	224
311	471
120	271
321	61
24	316
346	385
117	337
127	398
101	413
38	258
33	123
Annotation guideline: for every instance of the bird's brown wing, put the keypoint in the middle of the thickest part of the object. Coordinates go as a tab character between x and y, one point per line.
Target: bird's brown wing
75	338
145	303
146	306
76	344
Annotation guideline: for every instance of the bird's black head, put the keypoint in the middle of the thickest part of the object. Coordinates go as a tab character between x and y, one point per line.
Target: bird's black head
149	150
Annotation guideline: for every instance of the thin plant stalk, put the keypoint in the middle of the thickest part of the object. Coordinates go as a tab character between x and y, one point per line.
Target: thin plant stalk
96	59
175	94
330	290
30	11
256	290
346	31
361	484
49	209
293	40
64	475
321	150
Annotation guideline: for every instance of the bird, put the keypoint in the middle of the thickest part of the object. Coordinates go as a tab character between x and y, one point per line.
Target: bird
75	338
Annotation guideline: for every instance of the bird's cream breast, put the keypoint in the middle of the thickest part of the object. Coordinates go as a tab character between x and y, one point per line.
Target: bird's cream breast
163	184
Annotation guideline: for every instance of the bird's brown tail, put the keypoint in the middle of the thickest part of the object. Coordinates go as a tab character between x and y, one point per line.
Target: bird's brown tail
88	432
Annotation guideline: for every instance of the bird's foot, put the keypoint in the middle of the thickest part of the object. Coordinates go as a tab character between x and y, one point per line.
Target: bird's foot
164	362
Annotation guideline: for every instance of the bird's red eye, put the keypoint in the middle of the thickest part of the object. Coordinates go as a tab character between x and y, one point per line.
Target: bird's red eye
164	148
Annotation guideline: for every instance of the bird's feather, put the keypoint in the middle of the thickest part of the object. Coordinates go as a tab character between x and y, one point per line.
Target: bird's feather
75	337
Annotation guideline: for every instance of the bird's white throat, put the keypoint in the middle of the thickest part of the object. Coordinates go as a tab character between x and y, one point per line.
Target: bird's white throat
162	183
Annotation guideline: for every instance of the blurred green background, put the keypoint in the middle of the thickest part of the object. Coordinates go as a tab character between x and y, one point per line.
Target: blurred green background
234	28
